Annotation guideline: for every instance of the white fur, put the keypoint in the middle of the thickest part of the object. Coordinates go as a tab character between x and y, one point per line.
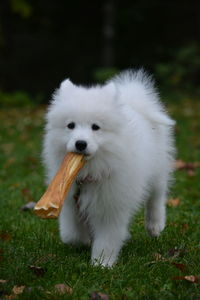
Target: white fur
130	159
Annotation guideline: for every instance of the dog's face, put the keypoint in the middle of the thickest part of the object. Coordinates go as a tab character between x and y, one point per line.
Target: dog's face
85	120
84	136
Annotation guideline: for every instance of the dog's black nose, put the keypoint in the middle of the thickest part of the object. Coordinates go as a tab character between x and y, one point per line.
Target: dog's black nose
81	145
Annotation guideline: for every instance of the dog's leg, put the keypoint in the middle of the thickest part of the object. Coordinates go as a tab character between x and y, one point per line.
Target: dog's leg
155	209
72	230
108	240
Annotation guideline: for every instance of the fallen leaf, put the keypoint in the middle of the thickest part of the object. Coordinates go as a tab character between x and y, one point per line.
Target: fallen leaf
5	236
184	226
63	288
158	257
39	271
189	166
191	173
99	296
17	290
173	202
180	164
3	281
179	266
190	278
28	206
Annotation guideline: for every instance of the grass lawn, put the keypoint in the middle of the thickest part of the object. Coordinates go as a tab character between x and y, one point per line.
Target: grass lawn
33	261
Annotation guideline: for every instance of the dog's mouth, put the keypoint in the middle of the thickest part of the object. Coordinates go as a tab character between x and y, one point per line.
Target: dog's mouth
87	155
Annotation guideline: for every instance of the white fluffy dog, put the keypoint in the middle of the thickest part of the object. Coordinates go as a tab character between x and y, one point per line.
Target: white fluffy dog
126	137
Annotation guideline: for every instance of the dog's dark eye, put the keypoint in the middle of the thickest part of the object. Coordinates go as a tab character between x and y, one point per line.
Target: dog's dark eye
95	127
71	125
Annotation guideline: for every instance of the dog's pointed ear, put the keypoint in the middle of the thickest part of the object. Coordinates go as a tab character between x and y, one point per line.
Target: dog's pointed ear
63	91
66	84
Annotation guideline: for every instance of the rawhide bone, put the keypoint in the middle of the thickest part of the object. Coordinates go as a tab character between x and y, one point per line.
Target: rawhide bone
49	206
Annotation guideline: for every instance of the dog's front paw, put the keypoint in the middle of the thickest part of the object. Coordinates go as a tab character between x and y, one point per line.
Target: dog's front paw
104	258
155	228
105	262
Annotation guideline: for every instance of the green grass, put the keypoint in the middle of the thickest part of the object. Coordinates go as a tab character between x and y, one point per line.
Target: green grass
26	240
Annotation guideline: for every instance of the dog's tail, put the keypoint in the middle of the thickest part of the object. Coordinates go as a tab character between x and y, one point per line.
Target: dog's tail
137	89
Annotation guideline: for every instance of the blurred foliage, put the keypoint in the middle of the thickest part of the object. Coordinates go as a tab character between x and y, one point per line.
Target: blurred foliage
182	70
18	99
21	7
43	42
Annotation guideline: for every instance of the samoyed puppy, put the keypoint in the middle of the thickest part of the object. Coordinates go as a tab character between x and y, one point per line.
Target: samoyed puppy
127	139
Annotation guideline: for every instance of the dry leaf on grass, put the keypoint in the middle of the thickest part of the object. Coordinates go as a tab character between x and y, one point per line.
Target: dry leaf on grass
172	253
5	236
173	202
99	296
189	278
180	164
17	290
3	281
158	257
63	288
184	226
191	173
179	266
39	271
187	166
192	278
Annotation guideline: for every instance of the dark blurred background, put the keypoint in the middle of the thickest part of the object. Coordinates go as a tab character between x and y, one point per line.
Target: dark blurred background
44	41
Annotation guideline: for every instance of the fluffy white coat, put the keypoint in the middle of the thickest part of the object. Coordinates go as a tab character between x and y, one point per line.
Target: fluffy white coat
129	152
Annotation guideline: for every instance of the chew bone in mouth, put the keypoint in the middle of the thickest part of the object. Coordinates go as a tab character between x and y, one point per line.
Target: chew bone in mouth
49	206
